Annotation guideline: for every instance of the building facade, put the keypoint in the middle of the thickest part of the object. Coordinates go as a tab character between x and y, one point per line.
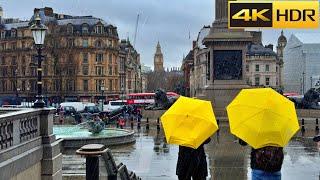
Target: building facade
158	59
262	67
301	62
199	72
130	68
81	55
187	66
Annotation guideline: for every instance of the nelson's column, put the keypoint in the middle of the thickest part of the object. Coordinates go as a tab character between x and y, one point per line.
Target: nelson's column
227	59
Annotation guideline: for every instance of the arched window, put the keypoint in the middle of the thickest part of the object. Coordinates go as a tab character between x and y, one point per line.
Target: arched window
69	29
98	44
85	29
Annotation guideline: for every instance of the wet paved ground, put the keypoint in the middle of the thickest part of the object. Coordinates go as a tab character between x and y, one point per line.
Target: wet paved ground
151	158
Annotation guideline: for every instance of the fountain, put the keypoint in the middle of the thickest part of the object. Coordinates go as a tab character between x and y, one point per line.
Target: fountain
92	132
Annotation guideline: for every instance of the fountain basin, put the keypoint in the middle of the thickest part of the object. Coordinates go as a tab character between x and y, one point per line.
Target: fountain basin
75	137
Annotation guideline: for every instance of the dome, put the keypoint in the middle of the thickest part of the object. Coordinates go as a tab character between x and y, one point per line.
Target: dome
282	39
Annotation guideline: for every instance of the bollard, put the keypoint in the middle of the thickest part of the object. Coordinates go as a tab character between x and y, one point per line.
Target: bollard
147	125
158	124
317	124
139	124
302	126
131	122
92	153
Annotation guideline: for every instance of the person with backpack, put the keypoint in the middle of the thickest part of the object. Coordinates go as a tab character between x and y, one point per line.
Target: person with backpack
265	162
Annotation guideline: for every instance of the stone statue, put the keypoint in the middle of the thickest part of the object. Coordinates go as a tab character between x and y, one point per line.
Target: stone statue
162	102
309	100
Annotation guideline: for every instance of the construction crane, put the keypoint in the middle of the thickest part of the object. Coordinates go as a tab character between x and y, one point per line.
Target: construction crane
136	31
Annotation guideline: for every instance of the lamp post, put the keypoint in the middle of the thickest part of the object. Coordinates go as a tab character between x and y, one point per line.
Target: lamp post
102	98
28	91
39	32
122	92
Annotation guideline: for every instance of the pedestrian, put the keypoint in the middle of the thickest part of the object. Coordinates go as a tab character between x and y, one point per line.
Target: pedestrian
265	162
192	163
317	140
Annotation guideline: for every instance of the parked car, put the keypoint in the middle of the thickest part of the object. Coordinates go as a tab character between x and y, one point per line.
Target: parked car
114	105
67	110
91	109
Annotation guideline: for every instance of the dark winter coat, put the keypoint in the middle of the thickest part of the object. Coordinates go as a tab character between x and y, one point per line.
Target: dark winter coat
192	162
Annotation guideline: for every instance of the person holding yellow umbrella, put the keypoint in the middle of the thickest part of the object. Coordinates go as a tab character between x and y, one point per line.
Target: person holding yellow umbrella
190	123
266	121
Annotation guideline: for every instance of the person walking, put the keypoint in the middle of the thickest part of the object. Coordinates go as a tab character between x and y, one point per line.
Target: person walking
265	162
192	163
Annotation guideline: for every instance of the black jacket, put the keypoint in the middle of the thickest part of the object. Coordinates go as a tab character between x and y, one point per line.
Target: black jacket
192	162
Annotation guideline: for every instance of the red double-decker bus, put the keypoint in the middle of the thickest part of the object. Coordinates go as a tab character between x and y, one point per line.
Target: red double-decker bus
144	98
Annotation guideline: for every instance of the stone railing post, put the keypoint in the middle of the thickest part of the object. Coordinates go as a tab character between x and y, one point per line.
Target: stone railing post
51	164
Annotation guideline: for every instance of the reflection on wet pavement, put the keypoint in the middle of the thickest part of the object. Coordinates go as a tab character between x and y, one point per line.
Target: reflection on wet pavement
151	158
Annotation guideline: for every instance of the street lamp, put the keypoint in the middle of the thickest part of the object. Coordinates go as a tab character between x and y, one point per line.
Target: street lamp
39	32
122	92
102	98
28	91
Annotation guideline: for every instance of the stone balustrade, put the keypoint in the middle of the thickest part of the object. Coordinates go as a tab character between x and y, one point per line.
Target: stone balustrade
28	148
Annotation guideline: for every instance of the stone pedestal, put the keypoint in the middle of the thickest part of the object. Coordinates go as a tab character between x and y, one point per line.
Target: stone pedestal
227	59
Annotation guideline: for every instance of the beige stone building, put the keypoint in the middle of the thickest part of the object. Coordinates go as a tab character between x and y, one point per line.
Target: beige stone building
81	55
130	68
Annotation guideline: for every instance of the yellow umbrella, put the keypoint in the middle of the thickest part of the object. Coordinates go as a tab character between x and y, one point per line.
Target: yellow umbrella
262	117
189	122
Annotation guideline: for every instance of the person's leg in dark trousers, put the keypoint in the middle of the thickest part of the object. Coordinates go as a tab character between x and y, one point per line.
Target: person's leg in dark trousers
184	178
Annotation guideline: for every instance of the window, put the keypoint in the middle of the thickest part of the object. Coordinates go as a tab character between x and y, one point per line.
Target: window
257	81
110	70
129	84
71	71
110	85
23	85
99	29
98	44
85	43
13	33
247	68
110	43
23	71
14	46
85	85
33	71
14	61
70	42
267	81
71	85
85	70
3	61
84	58
57	85
110	58
267	67
99	70
45	70
116	70
69	29
3	86
277	69
257	67
85	29
98	84
99	58
3	34
122	62
23	45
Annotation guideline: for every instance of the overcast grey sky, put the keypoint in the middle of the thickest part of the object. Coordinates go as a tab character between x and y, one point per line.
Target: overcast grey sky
166	21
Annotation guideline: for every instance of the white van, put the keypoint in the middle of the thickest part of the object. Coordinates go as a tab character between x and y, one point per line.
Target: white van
78	106
113	105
